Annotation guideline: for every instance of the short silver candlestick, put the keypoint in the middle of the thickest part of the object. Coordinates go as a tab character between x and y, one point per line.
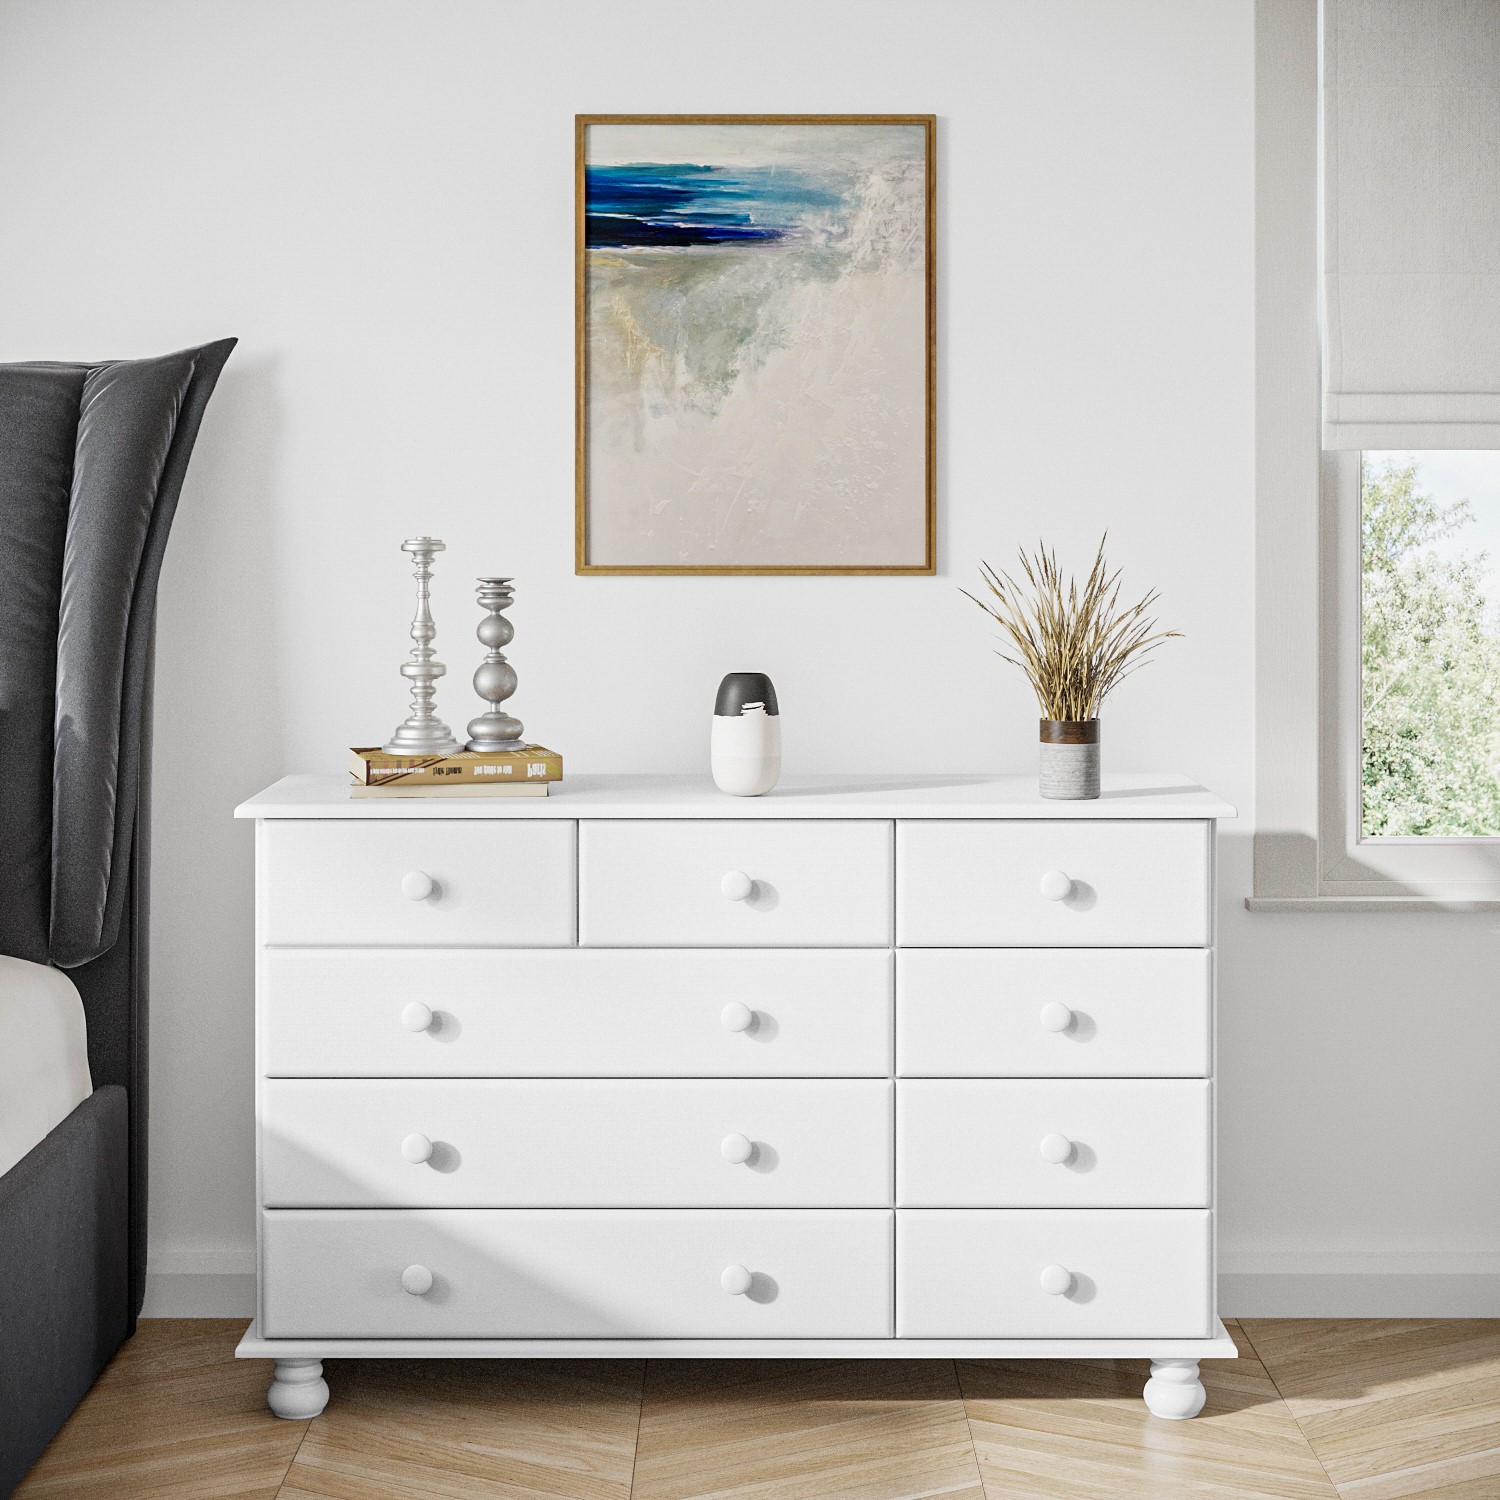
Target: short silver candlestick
423	733
495	679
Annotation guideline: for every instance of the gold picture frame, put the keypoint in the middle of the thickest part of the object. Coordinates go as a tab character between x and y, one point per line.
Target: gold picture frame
915	529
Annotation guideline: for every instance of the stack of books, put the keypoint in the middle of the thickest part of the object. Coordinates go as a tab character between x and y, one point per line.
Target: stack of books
527	772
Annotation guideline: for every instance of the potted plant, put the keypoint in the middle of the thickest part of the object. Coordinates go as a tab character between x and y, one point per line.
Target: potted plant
1075	646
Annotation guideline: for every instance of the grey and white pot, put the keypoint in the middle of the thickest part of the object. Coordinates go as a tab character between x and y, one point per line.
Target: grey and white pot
1070	759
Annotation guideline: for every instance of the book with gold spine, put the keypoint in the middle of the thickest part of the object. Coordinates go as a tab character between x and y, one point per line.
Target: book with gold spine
532	766
461	789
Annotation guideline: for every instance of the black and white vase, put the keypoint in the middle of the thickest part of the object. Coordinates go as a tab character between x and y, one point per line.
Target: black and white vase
745	749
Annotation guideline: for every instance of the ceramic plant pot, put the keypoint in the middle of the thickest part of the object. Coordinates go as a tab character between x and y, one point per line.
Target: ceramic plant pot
1070	759
745	750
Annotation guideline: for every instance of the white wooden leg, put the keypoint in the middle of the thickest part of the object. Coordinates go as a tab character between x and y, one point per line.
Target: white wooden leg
1174	1390
298	1391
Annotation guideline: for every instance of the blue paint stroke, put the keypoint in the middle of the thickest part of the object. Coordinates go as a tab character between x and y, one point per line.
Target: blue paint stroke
678	205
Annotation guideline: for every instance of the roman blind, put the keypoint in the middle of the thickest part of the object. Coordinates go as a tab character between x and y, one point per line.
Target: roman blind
1411	224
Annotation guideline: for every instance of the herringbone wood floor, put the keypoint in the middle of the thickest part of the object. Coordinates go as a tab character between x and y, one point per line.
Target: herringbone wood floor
1311	1411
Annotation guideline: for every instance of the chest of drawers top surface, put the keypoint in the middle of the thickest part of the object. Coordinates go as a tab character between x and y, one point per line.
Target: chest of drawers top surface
1137	797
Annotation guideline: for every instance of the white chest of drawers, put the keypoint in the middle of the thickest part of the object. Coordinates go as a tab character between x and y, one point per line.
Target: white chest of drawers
868	1067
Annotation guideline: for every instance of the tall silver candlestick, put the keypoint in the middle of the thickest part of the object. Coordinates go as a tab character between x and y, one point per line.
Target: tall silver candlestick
423	733
495	679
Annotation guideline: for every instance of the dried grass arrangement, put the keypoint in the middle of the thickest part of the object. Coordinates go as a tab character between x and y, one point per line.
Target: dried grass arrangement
1074	645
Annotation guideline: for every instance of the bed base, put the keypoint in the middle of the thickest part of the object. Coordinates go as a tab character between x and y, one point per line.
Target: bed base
65	1294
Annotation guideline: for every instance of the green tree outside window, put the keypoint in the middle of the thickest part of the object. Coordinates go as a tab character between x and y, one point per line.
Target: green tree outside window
1431	666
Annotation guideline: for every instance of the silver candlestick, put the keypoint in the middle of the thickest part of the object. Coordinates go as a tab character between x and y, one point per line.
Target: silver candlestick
495	679
423	733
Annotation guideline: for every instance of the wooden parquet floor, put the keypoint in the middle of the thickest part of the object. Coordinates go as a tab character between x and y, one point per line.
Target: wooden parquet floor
1312	1410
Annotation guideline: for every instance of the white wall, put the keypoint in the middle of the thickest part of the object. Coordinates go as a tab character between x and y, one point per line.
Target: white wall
377	198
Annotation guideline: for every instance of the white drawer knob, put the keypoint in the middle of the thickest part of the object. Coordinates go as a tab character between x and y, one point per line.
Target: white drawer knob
1057	1281
1056	1016
1056	1148
737	1016
1056	886
737	1148
736	886
416	1148
416	1016
735	1280
417	885
417	1280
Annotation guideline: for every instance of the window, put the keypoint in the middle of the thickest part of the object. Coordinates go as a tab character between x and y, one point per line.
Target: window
1378	509
1430	645
1408	805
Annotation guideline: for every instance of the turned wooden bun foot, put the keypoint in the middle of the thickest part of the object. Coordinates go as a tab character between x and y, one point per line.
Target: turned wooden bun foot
1174	1390
298	1391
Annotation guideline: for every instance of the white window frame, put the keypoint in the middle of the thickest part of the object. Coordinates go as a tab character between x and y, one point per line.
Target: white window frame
1310	853
1444	871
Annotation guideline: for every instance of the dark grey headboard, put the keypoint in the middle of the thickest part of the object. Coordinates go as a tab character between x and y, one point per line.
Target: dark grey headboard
92	459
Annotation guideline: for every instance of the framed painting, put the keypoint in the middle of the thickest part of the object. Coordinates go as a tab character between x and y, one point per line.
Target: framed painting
755	362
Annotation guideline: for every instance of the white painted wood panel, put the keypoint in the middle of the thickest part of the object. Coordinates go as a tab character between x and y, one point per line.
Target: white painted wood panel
588	1012
576	1274
979	1274
533	1088
668	884
491	884
880	795
575	1143
1042	1143
1054	1013
980	884
255	1345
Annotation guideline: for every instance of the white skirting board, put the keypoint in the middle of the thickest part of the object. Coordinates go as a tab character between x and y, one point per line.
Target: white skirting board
211	1281
1360	1284
199	1294
1348	1294
1333	1285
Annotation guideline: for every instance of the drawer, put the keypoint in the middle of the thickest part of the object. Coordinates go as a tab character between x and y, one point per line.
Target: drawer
746	883
583	1012
1053	1013
1040	1143
1120	884
1115	1273
330	1143
474	883
576	1274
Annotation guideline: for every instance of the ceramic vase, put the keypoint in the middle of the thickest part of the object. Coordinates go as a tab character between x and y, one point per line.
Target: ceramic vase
1070	759
745	748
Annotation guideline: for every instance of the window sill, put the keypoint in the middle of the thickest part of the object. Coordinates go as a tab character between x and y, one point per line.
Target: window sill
1365	904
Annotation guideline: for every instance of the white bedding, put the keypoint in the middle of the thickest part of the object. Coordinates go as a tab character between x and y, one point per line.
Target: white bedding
44	1060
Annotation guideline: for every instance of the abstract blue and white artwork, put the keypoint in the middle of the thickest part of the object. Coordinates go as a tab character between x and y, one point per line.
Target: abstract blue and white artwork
755	344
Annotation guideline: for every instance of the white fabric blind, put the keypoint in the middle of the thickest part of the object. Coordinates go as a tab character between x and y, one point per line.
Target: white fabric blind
1411	228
